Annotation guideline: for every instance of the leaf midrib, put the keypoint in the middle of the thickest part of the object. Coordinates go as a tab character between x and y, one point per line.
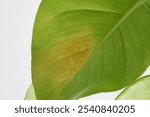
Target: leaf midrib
129	11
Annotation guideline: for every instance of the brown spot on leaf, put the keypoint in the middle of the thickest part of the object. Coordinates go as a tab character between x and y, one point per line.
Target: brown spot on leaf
64	59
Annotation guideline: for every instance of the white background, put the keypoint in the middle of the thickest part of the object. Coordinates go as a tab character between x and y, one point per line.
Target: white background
16	23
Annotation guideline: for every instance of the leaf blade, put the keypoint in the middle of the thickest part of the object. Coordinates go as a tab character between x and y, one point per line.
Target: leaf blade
30	95
138	90
108	33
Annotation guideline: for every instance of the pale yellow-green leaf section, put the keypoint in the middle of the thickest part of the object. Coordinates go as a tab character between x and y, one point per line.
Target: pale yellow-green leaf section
30	95
139	90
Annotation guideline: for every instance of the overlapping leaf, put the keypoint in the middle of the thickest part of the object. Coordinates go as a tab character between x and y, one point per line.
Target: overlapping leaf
82	47
30	95
139	90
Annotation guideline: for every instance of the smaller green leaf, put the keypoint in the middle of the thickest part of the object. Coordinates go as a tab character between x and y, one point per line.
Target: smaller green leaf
139	90
30	95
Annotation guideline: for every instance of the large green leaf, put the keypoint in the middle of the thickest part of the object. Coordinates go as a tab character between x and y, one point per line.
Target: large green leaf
82	47
139	90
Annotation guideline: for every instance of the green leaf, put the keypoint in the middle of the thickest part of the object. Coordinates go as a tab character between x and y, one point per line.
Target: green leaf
139	90
30	95
83	47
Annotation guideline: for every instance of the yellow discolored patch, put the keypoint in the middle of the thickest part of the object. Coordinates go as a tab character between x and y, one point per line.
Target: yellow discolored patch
61	61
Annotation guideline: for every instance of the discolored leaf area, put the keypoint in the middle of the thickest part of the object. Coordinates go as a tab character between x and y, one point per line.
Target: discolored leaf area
139	90
83	47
